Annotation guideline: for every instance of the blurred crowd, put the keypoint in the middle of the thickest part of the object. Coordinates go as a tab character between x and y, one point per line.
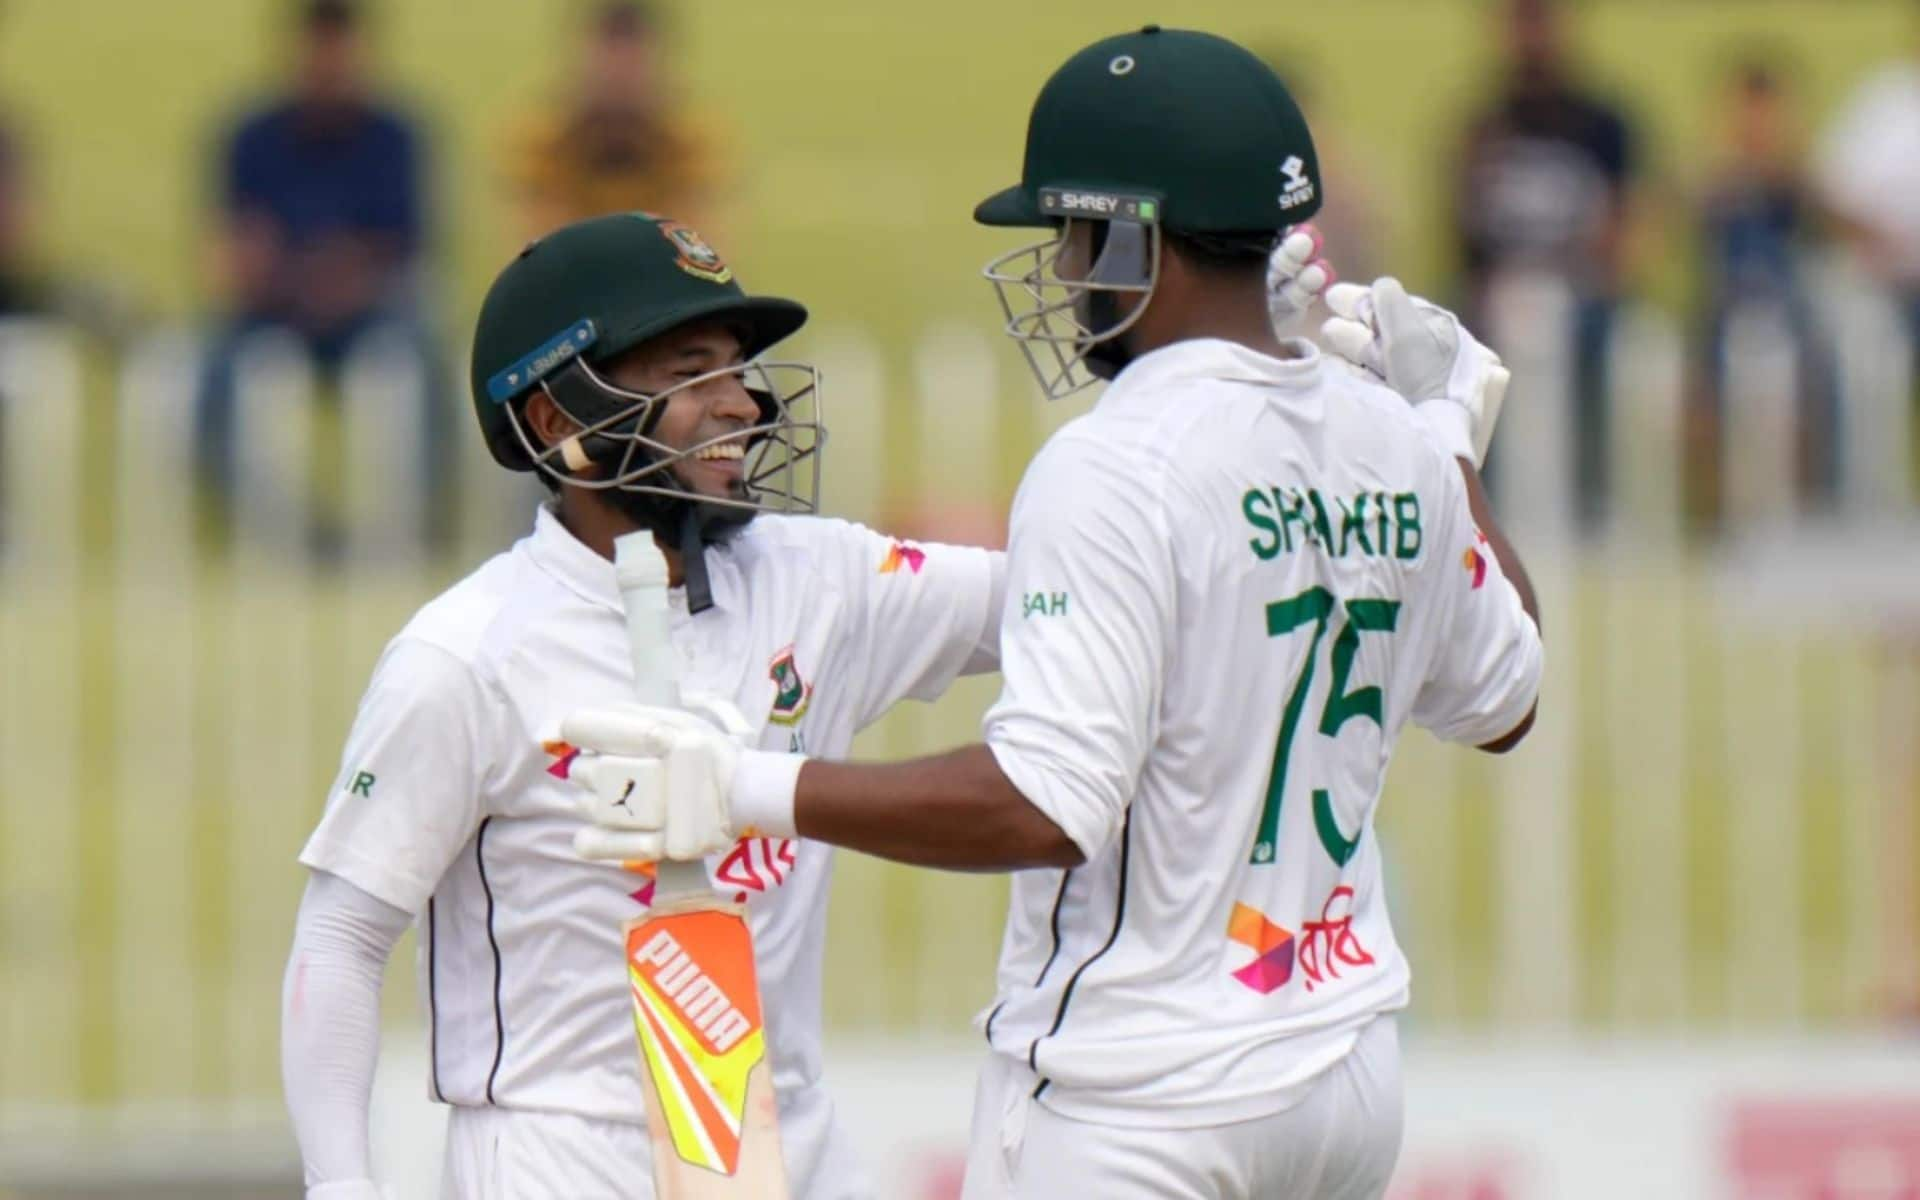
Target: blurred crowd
324	229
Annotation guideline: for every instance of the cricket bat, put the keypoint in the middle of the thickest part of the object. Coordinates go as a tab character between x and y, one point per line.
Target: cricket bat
696	996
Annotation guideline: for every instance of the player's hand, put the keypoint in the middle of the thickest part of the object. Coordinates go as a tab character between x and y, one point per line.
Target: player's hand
1423	352
1295	275
657	782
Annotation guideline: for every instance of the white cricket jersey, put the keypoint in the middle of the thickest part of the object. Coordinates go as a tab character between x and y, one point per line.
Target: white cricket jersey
1229	586
449	806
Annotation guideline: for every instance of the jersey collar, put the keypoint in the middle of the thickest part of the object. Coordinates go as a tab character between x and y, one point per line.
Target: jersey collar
1214	358
556	551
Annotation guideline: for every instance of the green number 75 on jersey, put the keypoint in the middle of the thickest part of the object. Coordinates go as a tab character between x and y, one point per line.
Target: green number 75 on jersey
1315	607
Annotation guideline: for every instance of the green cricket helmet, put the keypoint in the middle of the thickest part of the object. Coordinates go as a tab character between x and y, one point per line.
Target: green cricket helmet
1159	130
588	292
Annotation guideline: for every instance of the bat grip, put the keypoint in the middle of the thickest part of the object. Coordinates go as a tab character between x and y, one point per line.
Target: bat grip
641	570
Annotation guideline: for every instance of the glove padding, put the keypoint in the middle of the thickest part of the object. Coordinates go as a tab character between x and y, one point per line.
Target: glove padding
1295	275
656	782
1421	350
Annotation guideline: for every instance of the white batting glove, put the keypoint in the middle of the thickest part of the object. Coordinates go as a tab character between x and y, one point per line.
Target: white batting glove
1295	275
1421	350
675	783
655	781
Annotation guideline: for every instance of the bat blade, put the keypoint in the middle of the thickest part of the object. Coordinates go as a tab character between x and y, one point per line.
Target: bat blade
690	969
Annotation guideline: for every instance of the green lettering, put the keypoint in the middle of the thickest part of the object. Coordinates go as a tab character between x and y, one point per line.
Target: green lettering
1263	549
362	785
1406	518
1354	520
1058	605
1321	526
1289	513
1380	520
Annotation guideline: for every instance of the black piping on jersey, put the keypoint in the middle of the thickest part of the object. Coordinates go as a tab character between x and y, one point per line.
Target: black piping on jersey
1066	995
1059	898
499	1013
433	1007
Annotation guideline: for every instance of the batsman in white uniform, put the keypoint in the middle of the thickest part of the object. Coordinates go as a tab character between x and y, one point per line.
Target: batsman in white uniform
615	357
1230	586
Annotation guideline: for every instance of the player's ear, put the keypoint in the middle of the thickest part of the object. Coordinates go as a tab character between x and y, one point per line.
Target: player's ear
550	426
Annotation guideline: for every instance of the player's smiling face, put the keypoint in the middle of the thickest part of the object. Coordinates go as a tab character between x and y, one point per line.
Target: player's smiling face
703	412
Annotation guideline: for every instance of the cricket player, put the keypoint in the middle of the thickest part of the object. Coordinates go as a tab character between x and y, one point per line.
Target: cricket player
1230	586
617	358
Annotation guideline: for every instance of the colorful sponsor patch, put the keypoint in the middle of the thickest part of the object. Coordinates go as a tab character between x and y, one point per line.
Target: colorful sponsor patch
1320	950
1474	561
563	755
696	1013
791	692
901	554
1272	947
694	256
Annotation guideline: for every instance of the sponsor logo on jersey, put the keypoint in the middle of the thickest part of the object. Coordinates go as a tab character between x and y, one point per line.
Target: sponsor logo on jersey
1043	604
563	755
791	692
1272	947
1322	948
694	256
1475	562
901	554
756	864
1299	189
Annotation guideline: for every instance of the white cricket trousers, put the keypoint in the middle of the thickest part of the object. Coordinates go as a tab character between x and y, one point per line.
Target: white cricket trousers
1338	1143
517	1154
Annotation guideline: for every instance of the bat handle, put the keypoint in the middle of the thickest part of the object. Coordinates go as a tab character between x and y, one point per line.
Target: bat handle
641	570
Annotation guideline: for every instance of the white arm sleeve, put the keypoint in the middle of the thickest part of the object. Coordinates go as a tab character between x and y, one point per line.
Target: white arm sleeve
330	1024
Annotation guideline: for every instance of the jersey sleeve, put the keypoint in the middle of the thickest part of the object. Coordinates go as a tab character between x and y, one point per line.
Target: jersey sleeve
1484	675
409	793
1087	619
927	614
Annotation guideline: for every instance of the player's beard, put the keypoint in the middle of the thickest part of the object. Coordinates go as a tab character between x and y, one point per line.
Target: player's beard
1106	354
666	517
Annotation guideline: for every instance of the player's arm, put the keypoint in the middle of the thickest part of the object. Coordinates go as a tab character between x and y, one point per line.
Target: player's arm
956	810
1515	573
330	1030
1083	633
407	799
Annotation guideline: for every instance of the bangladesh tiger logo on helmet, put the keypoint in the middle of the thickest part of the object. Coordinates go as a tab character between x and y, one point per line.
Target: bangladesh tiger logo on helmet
696	258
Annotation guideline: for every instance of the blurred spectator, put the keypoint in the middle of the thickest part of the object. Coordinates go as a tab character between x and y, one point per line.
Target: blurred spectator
321	228
1542	185
1869	173
617	139
21	289
1753	223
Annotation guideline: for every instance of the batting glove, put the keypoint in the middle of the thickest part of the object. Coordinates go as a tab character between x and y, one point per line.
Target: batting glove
674	783
1295	275
1421	350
